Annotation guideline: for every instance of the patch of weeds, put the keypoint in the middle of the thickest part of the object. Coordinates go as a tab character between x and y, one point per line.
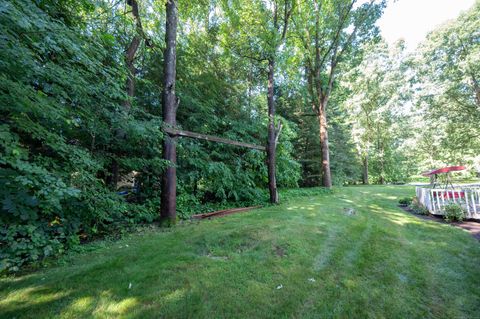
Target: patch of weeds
280	251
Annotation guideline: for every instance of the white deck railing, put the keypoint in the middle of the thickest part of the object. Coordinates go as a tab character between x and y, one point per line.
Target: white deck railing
435	199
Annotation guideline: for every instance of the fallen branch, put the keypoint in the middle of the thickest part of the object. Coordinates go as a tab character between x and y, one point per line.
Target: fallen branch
224	212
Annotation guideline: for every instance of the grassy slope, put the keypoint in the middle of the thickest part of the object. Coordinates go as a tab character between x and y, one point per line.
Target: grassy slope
380	263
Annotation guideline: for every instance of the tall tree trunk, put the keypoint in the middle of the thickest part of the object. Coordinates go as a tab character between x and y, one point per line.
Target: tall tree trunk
169	111
381	150
273	133
322	120
365	170
130	53
271	144
382	168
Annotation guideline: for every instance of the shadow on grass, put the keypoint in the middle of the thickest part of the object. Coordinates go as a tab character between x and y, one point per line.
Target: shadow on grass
231	266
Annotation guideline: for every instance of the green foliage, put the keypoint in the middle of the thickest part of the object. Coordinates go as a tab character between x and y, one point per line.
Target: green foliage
447	73
405	201
69	146
375	89
65	134
453	212
60	99
417	208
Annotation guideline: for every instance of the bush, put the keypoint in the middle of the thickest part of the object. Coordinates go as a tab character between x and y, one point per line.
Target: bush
418	208
405	201
58	135
453	212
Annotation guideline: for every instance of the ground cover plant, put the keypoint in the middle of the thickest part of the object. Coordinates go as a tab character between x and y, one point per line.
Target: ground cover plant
306	258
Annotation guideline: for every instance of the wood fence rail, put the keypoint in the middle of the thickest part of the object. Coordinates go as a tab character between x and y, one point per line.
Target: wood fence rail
466	196
175	132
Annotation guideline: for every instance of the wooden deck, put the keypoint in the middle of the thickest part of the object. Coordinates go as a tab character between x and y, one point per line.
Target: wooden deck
467	196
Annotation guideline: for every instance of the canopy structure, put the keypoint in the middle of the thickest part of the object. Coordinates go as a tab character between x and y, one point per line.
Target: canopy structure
444	170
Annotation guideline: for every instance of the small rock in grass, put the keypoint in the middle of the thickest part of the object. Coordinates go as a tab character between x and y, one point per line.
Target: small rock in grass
402	278
349	211
311	279
217	257
279	286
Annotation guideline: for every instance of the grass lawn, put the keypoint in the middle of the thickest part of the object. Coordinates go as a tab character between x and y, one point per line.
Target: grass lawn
302	259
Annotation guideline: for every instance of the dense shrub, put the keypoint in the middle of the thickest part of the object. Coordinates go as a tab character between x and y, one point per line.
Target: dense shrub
60	102
406	201
453	212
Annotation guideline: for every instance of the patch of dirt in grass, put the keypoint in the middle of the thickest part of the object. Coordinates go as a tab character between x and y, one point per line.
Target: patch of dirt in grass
279	251
225	244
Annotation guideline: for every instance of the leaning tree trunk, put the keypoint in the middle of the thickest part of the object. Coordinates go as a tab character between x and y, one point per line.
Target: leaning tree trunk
271	143
169	111
326	174
129	61
365	170
130	54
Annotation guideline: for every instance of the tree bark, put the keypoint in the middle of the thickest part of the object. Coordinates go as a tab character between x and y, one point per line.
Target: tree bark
382	170
381	150
271	145
130	53
129	61
273	134
326	173
169	111
365	170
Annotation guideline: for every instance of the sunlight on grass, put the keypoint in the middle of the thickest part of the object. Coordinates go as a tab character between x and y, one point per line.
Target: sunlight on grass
121	307
32	296
81	305
379	262
175	296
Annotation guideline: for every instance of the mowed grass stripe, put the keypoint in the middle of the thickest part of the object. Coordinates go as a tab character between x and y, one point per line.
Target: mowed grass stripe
379	262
